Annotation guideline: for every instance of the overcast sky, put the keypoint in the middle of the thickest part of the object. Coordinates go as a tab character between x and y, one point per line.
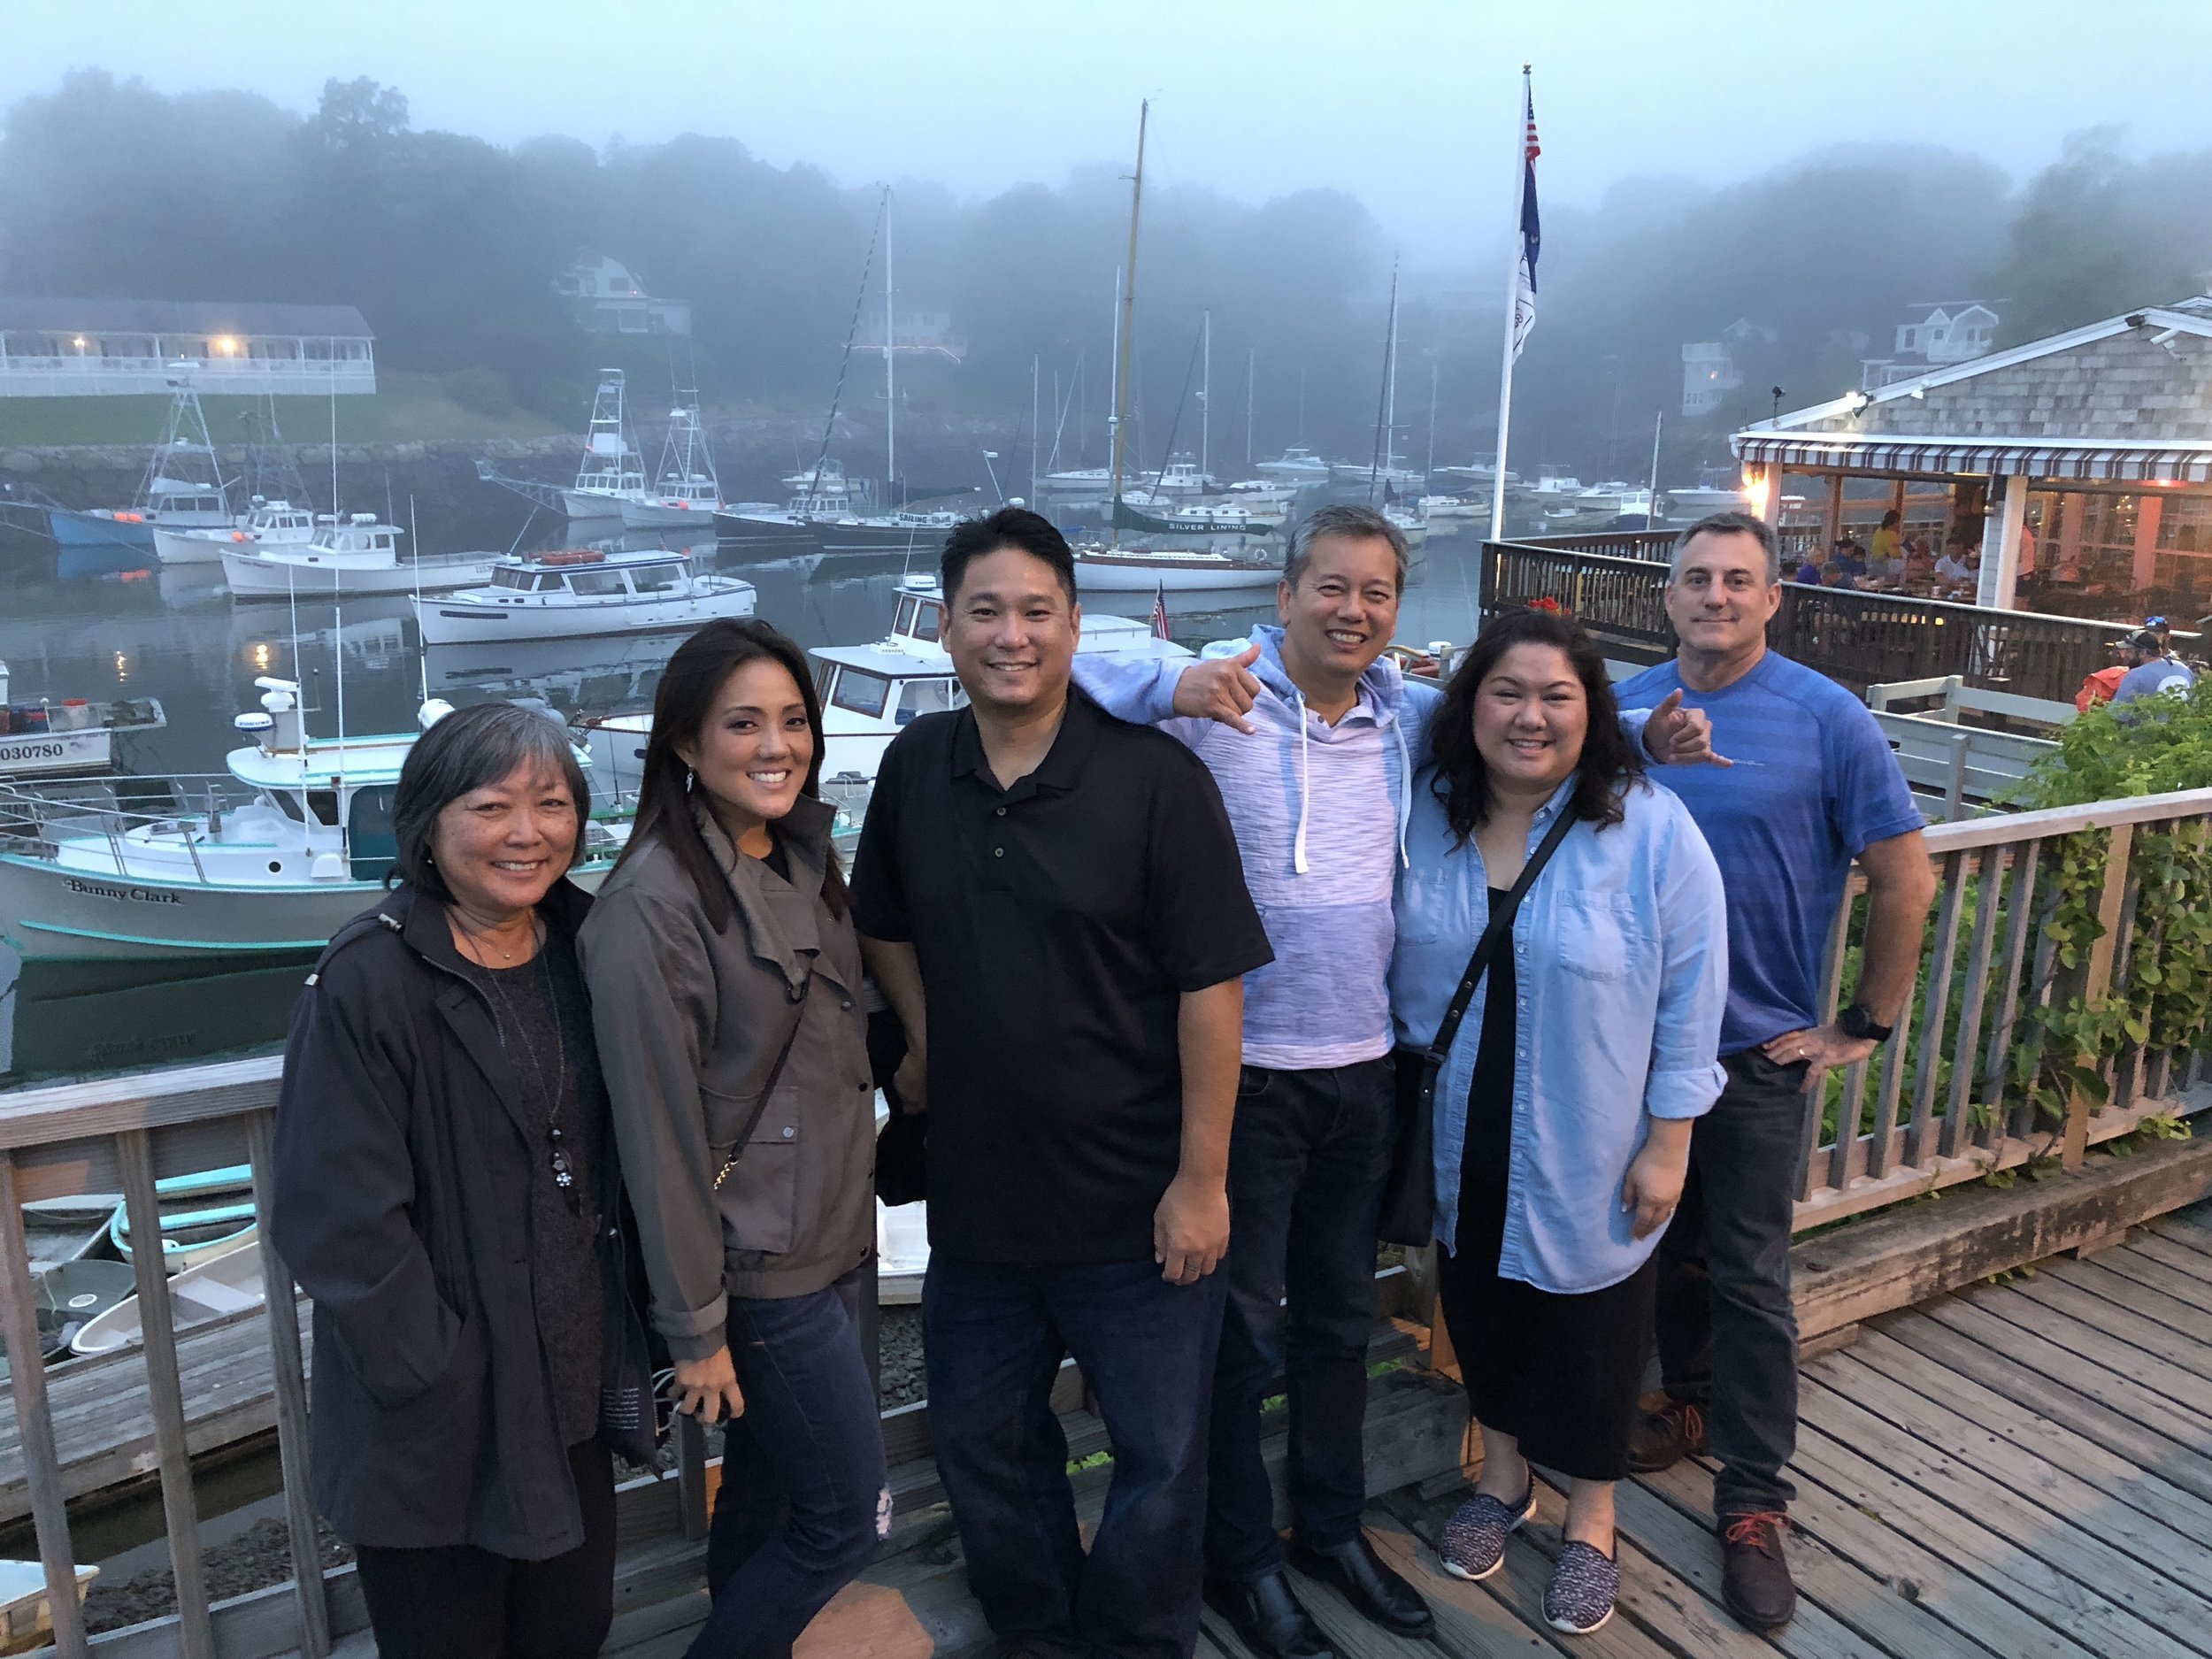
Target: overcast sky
1408	104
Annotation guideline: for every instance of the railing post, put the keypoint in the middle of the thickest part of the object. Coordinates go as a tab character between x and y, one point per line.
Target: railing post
2096	981
288	1381
165	1391
34	1425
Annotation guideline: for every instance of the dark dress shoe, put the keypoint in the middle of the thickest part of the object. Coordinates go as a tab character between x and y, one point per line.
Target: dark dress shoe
1266	1616
1367	1582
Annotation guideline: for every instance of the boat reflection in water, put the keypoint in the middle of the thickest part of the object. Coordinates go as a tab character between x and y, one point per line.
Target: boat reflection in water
71	1017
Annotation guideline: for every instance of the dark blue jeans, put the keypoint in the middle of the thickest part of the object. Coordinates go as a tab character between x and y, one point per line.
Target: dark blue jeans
804	1499
1727	1330
1308	1162
994	1337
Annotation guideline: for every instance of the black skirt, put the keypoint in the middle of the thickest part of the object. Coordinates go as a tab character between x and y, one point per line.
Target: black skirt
1559	1373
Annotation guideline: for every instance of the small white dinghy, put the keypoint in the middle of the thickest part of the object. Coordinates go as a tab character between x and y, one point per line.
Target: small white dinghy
217	1287
26	1618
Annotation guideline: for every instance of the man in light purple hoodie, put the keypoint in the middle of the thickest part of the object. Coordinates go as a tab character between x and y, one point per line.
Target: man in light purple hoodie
1314	737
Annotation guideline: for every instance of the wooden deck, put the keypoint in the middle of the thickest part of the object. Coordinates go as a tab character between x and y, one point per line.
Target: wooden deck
2022	1469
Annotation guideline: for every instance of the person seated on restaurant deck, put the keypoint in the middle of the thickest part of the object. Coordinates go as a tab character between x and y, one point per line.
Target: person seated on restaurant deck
725	981
447	1191
1810	572
1951	567
1920	566
1564	1112
1835	575
1850	558
1887	559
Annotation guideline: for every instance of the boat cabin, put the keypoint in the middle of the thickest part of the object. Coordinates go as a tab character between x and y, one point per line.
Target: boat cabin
587	574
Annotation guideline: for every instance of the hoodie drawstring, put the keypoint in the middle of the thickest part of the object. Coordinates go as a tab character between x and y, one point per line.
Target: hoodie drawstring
1305	784
1405	790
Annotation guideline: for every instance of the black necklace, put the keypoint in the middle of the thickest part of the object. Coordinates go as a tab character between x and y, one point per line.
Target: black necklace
564	1171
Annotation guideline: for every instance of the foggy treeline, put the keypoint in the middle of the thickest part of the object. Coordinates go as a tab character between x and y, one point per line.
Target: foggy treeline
450	246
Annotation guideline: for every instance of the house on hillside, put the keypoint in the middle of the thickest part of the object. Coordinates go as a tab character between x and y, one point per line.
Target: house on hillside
1711	369
913	334
75	347
1933	337
610	300
2082	462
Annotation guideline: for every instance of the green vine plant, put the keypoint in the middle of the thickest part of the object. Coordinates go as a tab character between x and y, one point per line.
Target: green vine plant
2161	995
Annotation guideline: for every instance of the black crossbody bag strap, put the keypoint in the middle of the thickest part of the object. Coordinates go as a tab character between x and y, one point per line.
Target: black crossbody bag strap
767	1093
1500	924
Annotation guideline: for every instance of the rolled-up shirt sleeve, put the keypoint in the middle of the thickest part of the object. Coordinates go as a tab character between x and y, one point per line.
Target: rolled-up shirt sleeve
653	1003
1687	1076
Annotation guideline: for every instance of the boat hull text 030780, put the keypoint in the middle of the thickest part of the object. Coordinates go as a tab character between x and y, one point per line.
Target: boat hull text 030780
40	739
274	855
583	592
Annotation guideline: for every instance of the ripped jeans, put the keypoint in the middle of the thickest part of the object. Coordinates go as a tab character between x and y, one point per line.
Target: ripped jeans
804	1500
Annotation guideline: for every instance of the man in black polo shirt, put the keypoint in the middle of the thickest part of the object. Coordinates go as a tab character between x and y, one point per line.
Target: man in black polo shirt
1052	901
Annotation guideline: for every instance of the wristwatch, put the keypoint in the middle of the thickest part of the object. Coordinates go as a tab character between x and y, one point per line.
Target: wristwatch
1857	1022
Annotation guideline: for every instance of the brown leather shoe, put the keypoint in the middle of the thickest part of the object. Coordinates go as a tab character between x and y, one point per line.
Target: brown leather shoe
1664	1437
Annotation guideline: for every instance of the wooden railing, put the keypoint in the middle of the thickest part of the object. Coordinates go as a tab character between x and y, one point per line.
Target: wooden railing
1855	638
1938	1104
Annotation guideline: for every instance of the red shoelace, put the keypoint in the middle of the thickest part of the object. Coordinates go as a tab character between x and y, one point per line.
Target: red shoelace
1746	1529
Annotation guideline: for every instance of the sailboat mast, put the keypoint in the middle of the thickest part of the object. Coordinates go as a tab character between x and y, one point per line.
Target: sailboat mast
1390	418
1651	506
1128	325
1432	466
1251	368
890	388
1113	355
1036	370
1205	396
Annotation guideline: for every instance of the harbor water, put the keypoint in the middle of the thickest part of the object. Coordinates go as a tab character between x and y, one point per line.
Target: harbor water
177	634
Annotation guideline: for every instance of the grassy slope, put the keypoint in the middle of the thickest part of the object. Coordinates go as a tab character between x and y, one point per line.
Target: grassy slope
405	408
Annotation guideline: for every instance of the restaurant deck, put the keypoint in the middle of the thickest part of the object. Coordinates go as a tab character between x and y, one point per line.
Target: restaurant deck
2020	1468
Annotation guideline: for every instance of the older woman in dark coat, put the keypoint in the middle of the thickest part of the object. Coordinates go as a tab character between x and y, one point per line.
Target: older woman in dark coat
447	1192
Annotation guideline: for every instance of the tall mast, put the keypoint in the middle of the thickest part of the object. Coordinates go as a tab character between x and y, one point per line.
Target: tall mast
1432	468
1036	369
1251	368
1390	393
1128	324
890	387
1113	355
1205	395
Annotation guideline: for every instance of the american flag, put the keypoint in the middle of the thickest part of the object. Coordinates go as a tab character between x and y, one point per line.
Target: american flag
1159	613
1531	236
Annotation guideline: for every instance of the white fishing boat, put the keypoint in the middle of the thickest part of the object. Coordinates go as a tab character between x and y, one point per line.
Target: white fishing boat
222	1282
1078	478
612	472
685	491
1181	477
50	740
1717	489
1604	498
1246	491
267	524
582	591
275	854
357	557
1171	569
1450	507
1302	466
1412	525
1551	487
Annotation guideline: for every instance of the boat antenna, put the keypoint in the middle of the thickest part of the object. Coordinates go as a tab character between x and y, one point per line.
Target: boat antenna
422	659
1128	323
890	388
829	427
333	443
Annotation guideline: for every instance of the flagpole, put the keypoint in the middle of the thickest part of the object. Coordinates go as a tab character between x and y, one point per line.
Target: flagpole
1512	306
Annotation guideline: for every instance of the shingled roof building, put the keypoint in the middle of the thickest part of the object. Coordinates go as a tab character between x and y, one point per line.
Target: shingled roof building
74	348
2082	461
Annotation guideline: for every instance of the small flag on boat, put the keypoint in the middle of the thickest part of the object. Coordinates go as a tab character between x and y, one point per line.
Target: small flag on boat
1524	275
1159	612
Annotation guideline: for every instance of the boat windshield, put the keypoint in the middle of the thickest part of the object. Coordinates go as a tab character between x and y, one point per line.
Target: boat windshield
597	584
918	618
656	579
522	579
861	692
928	696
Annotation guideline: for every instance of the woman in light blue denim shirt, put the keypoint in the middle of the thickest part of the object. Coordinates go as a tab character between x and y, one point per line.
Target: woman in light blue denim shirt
1564	1106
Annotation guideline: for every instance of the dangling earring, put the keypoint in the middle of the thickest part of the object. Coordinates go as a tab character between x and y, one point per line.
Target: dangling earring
690	778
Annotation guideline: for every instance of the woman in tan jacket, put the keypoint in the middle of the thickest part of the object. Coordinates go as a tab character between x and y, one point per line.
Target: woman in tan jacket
726	992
